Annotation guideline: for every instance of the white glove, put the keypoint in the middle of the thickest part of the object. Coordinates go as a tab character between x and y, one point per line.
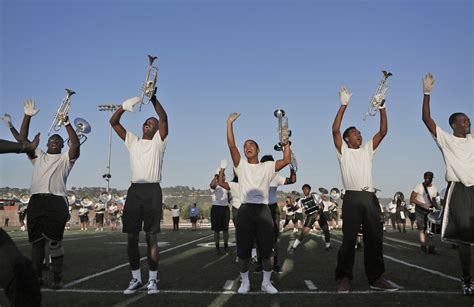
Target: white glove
29	107
223	164
344	95
217	171
128	104
8	120
428	83
378	99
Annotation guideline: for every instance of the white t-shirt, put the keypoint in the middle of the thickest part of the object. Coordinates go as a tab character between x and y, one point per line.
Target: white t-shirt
50	172
175	212
219	196
356	167
235	193
254	181
276	182
146	157
410	207
458	154
421	195
392	207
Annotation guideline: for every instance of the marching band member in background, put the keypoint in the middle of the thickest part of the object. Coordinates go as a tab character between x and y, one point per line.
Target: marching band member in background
175	214
313	207
273	205
99	209
113	214
193	216
290	209
360	204
423	197
254	220
458	153
392	211
84	218
220	212
234	194
410	209
48	208
400	218
143	206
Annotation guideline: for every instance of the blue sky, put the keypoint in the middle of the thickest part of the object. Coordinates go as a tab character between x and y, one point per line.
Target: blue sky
251	57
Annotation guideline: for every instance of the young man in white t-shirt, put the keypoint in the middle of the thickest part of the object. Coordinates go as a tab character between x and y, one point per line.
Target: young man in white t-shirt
458	153
424	204
48	209
220	212
144	203
254	220
360	205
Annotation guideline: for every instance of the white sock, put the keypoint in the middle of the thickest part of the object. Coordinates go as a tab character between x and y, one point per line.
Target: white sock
328	244
254	252
137	274
245	277
297	242
266	276
153	275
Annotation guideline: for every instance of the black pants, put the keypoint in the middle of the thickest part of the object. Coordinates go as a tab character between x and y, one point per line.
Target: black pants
175	222
361	208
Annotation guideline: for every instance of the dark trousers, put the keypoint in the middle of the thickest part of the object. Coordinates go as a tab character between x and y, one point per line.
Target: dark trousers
361	208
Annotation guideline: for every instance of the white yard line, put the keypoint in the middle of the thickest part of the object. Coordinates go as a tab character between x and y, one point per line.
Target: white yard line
78	281
310	285
72	239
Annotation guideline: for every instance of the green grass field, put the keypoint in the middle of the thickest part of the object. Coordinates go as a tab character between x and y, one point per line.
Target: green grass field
96	272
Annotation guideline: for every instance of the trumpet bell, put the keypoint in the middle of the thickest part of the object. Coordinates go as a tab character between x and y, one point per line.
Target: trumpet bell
279	113
71	198
151	59
323	191
335	193
86	202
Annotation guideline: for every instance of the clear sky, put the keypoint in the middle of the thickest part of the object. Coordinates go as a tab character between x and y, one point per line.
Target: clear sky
251	57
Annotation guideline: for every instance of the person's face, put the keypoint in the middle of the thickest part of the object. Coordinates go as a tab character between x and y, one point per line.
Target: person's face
55	144
250	149
462	125
428	179
150	126
354	138
306	191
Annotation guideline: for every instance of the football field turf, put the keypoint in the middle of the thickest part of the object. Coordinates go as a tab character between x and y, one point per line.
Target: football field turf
96	272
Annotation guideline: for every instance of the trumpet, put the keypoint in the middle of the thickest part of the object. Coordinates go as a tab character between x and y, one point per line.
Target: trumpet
71	198
148	87
62	112
105	197
284	133
334	194
82	128
378	98
25	198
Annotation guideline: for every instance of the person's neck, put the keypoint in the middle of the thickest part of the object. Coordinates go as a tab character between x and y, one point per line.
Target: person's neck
253	160
459	134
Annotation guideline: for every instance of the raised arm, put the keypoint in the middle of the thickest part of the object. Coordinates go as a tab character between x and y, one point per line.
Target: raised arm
116	125
378	137
221	180
74	146
345	96
292	178
213	184
163	123
279	164
30	111
428	83
234	151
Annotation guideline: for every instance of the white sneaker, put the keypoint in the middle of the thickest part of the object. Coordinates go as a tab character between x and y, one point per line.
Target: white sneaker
267	287
295	230
133	286
244	287
152	287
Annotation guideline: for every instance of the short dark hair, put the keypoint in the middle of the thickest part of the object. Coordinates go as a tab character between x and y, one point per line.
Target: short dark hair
306	186
428	174
267	158
250	140
346	132
56	136
453	118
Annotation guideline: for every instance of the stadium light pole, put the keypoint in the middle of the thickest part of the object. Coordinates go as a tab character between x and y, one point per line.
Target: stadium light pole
107	175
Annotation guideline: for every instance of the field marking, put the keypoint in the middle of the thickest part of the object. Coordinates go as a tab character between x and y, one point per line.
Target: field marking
72	239
434	272
214	262
227	292
402	241
310	285
77	281
131	300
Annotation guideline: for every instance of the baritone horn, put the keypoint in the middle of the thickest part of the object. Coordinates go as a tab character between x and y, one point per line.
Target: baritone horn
378	98
62	112
334	194
82	128
284	134
148	87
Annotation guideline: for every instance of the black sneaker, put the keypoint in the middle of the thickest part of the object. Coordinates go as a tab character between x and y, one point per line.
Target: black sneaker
424	250
258	269
466	286
56	285
277	269
218	251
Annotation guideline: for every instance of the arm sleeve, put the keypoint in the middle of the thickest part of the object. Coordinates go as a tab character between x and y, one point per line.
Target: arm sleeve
130	139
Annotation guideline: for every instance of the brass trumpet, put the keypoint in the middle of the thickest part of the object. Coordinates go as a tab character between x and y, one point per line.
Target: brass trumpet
148	88
62	112
284	133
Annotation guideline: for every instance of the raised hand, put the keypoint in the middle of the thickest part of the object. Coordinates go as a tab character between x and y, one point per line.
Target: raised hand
223	164
232	117
128	104
8	120
428	83
344	95
29	107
